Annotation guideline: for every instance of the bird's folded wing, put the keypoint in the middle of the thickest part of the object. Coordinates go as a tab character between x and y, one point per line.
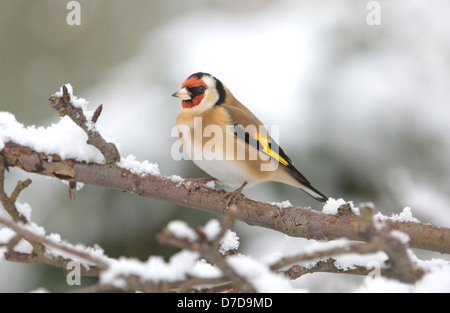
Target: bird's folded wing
248	128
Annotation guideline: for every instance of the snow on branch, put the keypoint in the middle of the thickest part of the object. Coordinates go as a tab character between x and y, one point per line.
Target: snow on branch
292	220
209	258
66	104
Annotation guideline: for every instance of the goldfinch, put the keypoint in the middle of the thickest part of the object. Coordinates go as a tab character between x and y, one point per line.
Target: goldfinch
228	142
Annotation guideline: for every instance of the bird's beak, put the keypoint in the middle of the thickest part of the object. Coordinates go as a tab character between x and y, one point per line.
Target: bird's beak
183	94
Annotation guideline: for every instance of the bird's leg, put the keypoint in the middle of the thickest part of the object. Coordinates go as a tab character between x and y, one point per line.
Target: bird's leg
233	195
194	183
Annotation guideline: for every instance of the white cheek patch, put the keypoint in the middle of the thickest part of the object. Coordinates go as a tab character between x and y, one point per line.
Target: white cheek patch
211	94
210	82
210	99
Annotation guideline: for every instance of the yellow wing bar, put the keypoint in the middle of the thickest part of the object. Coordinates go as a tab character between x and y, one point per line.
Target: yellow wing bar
261	143
265	147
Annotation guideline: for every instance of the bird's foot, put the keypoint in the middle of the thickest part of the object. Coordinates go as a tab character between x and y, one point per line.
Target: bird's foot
193	183
233	196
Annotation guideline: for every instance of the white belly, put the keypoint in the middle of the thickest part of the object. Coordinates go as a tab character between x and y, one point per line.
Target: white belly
225	171
215	164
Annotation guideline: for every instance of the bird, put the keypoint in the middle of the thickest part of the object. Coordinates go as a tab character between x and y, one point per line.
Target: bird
227	141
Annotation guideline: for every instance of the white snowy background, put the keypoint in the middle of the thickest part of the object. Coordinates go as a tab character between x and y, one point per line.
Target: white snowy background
363	111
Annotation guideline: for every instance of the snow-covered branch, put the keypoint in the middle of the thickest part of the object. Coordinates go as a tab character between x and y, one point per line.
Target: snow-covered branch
64	103
208	259
291	220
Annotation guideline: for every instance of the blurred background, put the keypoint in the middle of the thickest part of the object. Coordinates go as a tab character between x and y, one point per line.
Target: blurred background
363	110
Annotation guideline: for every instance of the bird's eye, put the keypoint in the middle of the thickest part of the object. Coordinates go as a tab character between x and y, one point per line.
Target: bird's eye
199	89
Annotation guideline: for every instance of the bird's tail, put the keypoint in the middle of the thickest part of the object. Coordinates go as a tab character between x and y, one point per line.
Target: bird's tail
293	177
313	192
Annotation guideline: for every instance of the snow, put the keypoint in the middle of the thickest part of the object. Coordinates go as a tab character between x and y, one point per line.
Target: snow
176	178
399	235
259	275
204	269
332	206
182	230
24	209
383	285
35	228
76	101
142	169
182	181
255	270
350	261
404	216
64	138
6	235
211	229
436	279
229	242
154	269
211	184
23	246
282	205
293	246
95	251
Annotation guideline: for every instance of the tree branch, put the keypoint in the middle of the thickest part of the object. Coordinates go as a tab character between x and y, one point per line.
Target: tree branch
9	202
293	221
208	249
64	106
400	265
33	237
324	266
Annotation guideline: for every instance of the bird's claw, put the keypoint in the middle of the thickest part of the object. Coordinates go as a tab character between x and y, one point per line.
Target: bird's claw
233	196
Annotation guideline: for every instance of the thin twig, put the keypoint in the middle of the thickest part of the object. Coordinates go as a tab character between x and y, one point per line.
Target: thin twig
208	249
9	202
33	237
401	266
359	248
64	107
326	266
